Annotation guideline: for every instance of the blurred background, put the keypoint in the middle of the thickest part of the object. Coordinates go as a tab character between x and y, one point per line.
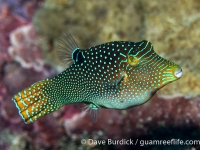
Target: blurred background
29	34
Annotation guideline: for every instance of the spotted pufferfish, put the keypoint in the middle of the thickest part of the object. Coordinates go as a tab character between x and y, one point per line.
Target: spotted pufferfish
116	75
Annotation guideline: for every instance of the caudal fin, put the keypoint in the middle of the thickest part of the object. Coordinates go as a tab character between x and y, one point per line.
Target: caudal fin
36	101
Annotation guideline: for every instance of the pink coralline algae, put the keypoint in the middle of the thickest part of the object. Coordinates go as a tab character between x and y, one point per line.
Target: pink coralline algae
22	8
20	66
140	120
14	79
8	22
24	49
158	119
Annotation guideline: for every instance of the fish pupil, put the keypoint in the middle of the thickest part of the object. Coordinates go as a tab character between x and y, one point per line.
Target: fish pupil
77	56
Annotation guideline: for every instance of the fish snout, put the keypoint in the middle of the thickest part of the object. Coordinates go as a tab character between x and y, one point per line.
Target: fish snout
178	72
172	73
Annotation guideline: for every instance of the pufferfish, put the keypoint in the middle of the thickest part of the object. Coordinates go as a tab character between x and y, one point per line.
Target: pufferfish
116	75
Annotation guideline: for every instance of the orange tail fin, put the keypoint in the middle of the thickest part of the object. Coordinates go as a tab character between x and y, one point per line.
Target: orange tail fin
35	101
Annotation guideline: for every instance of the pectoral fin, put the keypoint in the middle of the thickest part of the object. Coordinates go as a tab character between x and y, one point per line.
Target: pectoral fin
92	109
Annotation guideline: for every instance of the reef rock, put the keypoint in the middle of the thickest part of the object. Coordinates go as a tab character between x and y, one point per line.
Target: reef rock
25	48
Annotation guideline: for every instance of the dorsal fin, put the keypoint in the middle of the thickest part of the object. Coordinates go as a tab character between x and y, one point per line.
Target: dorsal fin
67	46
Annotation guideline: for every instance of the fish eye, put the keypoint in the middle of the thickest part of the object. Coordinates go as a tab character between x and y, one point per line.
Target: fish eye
132	60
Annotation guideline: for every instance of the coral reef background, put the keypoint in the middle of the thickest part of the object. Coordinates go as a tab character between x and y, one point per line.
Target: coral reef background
29	34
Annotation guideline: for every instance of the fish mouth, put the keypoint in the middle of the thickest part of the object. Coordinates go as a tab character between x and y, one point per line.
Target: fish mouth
172	73
178	73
